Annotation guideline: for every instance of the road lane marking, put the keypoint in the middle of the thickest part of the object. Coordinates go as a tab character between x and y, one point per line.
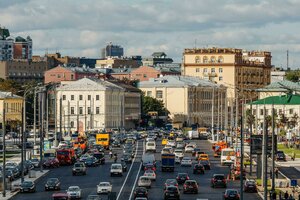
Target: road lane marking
137	175
137	146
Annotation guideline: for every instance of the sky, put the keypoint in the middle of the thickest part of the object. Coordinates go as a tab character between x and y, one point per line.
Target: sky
82	27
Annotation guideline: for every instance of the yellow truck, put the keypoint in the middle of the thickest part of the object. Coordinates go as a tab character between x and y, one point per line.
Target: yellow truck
103	139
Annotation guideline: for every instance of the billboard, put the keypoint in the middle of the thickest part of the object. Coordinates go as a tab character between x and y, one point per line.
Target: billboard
256	144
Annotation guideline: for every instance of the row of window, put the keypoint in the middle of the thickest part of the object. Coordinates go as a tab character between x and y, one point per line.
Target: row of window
25	74
212	59
269	112
159	94
212	70
89	97
88	110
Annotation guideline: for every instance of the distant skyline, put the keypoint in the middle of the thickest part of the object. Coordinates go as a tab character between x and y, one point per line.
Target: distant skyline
141	27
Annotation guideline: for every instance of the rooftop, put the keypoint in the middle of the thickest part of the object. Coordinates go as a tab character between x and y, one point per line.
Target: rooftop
279	100
8	95
281	86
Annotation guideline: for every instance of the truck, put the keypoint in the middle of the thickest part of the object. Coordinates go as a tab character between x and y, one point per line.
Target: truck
103	139
65	156
193	134
49	153
167	162
148	159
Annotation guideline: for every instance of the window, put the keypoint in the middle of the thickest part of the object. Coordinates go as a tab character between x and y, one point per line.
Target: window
97	97
291	111
149	93
220	70
145	75
72	111
205	59
72	76
220	59
80	97
205	70
64	97
220	78
197	70
58	76
80	110
261	111
197	59
213	59
89	111
89	97
72	97
213	70
97	110
159	94
72	124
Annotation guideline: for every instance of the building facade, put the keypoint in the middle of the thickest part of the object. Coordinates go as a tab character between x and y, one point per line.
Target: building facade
189	100
157	58
112	51
6	45
117	63
240	71
22	48
57	59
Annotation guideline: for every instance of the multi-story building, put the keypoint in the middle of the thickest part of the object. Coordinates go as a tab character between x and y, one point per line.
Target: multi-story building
93	104
157	58
61	73
22	48
113	62
6	45
190	100
57	59
13	105
242	72
112	51
23	70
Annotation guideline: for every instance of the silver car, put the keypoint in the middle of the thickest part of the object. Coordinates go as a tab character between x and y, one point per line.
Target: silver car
144	181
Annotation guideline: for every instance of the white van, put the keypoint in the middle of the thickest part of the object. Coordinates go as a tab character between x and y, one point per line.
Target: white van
151	146
116	169
227	156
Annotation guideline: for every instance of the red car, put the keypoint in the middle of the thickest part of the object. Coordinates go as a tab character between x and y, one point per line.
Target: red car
190	186
51	163
150	167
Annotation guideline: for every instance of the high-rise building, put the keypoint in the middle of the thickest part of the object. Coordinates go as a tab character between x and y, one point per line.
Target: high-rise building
112	51
6	45
22	48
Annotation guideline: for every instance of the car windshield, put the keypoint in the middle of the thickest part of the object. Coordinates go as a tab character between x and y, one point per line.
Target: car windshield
232	192
219	177
204	162
178	151
27	184
190	182
150	144
250	183
171	181
182	175
63	153
104	184
116	167
141	189
78	165
73	189
52	180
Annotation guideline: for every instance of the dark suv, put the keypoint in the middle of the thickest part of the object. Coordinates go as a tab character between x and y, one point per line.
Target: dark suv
182	177
190	186
280	156
140	192
218	180
79	168
171	192
198	169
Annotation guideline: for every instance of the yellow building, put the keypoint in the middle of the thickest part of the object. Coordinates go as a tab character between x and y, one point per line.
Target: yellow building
13	105
239	70
117	63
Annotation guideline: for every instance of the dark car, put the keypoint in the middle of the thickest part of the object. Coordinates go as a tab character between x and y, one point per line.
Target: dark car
250	186
79	168
126	158
218	180
171	192
280	156
128	151
51	163
124	166
116	143
231	194
149	166
190	186
91	162
198	169
171	182
52	184
206	164
27	186
140	192
182	177
100	157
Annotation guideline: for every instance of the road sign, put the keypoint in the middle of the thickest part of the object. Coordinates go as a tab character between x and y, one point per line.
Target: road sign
256	144
294	183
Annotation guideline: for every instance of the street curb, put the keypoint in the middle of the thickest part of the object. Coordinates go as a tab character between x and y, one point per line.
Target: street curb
13	194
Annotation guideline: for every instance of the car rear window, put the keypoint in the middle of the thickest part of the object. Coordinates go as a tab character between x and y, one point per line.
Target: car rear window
219	177
173	189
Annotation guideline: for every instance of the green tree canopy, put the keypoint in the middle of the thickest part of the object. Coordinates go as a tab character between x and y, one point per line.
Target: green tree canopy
9	86
150	104
293	75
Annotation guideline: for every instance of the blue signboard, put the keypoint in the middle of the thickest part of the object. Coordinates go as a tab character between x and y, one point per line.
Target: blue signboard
293	183
47	145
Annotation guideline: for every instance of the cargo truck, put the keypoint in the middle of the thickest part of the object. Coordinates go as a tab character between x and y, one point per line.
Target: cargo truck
167	162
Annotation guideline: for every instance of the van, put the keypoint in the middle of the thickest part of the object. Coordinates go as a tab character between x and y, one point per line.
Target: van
148	159
151	146
116	169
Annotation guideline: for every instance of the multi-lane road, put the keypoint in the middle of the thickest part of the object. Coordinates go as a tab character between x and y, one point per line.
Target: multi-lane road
124	186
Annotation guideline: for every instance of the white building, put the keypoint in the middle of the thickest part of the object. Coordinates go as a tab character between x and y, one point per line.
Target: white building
89	104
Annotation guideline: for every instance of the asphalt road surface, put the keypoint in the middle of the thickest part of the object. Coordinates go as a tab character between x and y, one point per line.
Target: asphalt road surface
124	186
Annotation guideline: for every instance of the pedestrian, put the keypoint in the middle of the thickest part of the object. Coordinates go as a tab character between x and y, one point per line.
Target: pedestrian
274	195
110	154
293	156
286	195
116	158
276	172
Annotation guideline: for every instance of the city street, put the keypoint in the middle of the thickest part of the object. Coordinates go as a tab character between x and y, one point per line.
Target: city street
124	186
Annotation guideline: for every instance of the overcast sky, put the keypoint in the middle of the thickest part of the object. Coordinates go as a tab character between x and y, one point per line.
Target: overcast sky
83	27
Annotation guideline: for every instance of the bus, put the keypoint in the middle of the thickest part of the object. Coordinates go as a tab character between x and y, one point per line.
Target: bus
227	156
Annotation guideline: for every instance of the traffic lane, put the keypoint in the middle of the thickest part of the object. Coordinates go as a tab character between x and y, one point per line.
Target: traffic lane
87	183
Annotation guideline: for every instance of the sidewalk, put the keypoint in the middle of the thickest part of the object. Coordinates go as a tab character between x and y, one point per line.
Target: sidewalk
15	184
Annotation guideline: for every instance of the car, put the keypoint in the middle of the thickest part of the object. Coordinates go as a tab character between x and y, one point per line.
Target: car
100	157
189	148
203	157
74	192
116	143
91	162
104	187
116	169
231	194
52	184
186	161
180	145
206	164
179	153
198	169
150	166
150	174
250	186
16	171
129	151
27	186
166	151
140	192
193	144
127	158
190	186
194	152
218	180
144	181
35	162
84	157
280	156
170	182
9	175
182	177
79	168
60	196
171	192
172	143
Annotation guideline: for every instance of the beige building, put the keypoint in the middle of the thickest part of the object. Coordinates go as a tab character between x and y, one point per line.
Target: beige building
240	71
113	62
189	100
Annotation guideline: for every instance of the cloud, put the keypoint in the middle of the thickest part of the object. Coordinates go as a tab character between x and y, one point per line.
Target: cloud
143	26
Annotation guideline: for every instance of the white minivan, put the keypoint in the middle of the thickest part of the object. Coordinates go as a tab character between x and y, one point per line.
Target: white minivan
151	146
116	169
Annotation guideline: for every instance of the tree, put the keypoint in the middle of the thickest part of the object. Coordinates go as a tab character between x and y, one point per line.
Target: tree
293	76
9	86
250	118
292	123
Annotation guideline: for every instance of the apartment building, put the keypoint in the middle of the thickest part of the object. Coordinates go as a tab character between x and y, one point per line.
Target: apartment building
115	62
22	48
190	100
240	71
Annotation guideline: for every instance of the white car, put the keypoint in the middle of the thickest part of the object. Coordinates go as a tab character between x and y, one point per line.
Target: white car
186	161
74	192
116	169
151	146
193	144
168	146
179	153
177	159
189	148
150	174
166	150
180	145
104	187
144	181
172	143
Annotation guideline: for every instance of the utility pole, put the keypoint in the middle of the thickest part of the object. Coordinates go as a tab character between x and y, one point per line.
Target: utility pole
22	136
60	117
273	148
41	126
55	119
251	139
4	153
34	116
242	158
212	114
218	117
264	155
47	113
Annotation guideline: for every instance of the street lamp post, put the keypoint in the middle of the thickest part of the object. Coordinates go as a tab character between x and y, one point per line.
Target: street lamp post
4	154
